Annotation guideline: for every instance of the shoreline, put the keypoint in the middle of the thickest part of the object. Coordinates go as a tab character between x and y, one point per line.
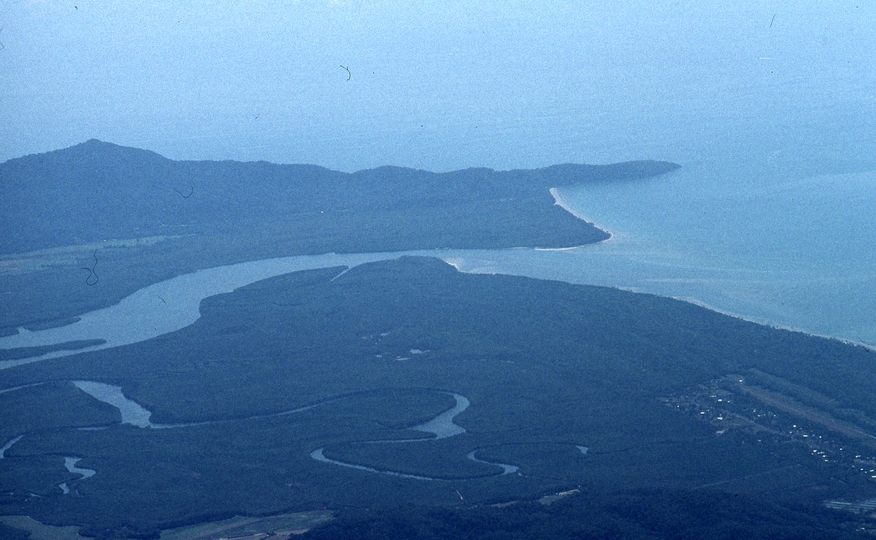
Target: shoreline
614	237
559	201
704	305
186	300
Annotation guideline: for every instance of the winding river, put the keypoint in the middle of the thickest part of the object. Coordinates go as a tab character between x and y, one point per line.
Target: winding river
169	305
440	427
8	445
173	304
70	465
714	233
636	259
132	413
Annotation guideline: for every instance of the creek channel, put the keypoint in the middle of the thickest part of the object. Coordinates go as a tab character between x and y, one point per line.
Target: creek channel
441	426
167	306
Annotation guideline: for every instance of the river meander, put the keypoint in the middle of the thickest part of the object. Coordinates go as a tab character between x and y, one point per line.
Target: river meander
440	427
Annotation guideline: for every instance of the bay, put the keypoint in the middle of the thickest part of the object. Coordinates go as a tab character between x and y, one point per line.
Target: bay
784	251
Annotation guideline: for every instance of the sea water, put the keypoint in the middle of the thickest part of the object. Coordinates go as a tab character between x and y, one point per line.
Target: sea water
794	252
779	247
787	251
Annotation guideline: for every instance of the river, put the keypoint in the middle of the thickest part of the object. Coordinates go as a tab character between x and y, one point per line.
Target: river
441	426
789	252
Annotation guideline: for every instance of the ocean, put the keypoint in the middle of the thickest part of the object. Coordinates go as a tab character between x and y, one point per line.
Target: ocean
786	250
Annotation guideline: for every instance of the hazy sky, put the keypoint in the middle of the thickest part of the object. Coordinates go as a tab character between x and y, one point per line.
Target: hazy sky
440	85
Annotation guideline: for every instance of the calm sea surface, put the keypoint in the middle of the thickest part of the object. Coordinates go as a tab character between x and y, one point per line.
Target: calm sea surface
797	253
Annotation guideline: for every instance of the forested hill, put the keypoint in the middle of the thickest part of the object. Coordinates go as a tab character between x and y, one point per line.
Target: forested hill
96	191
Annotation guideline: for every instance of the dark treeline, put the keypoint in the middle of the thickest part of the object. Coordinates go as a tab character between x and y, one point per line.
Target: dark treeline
635	515
11	533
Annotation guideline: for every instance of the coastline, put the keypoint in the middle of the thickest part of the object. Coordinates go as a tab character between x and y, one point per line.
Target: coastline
704	305
614	237
561	202
186	294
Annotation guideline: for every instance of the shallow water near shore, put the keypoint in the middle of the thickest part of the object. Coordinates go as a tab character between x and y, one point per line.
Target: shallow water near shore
798	253
776	248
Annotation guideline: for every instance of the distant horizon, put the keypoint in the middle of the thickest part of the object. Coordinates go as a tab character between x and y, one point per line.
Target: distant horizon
352	85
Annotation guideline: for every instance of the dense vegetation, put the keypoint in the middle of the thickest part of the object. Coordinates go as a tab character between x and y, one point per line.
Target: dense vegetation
192	215
600	392
99	191
624	515
547	366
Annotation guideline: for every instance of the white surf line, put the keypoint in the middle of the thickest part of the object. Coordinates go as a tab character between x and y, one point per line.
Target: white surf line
768	323
561	202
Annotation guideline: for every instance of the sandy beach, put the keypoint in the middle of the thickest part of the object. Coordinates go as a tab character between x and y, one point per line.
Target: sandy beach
559	201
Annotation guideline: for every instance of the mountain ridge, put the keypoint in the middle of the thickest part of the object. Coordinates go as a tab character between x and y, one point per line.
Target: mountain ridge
132	217
96	191
644	167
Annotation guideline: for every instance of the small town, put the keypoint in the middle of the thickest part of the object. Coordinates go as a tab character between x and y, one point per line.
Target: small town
770	409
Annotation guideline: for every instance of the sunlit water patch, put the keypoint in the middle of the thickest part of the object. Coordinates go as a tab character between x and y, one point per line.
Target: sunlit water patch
442	426
70	465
